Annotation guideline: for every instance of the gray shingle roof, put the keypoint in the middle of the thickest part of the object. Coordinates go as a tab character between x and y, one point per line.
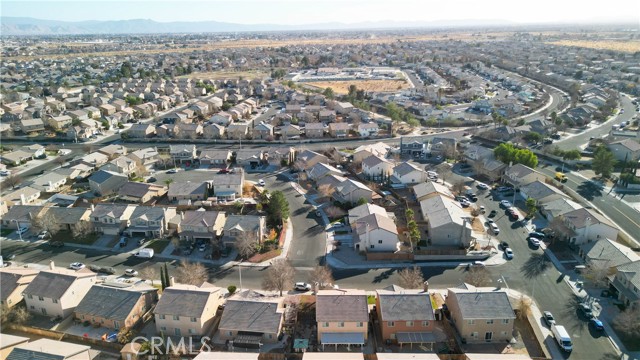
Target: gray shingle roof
484	305
406	307
182	302
340	305
109	302
50	284
254	316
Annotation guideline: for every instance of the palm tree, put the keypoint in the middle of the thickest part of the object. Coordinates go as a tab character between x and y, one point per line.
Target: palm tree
168	181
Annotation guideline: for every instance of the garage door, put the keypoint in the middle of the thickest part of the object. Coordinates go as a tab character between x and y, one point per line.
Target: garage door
111	231
138	234
202	239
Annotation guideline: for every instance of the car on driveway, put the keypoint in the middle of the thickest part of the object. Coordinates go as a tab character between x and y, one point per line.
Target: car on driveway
22	230
465	203
44	234
494	228
76	266
548	318
534	242
172	171
202	247
504	189
503	245
483	186
596	324
302	286
261	182
130	272
508	253
537	234
585	309
493	213
505	203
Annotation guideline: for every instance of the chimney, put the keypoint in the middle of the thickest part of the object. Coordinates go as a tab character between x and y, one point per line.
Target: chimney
51	185
425	286
172	281
181	215
92	207
52	265
23	200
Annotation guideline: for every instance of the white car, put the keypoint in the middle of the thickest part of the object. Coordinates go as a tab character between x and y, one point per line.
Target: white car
130	272
534	242
506	204
494	228
465	203
22	230
202	248
76	266
301	286
483	186
43	235
261	182
508	253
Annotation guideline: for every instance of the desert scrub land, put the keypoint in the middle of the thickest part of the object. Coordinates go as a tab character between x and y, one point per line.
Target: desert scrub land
342	87
630	46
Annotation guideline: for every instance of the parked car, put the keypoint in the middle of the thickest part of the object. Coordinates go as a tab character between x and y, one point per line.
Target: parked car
56	244
172	171
202	247
465	203
76	266
505	203
548	318
537	234
22	230
302	286
494	228
130	272
261	182
504	189
483	186
585	309
123	241
596	324
534	242
44	234
493	213
503	245
152	180
508	253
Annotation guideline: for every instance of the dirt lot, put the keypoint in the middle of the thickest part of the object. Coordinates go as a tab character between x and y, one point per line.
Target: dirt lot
342	87
624	46
227	74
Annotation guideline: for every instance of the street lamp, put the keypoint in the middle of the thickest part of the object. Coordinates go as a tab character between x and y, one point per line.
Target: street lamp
18	227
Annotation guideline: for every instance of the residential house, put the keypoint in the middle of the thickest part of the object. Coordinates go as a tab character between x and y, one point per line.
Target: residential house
605	255
113	151
344	107
375	233
519	175
377	168
289	131
56	292
31	125
59	122
263	131
625	150
149	221
426	190
122	165
626	283
368	129
227	187
105	183
541	192
279	155
50	349
216	157
408	173
141	131
320	170
308	159
481	315
77	133
23	196
251	319
243	226
405	316
448	225
146	157
556	208
237	130
183	153
114	306
141	193
49	182
9	342
587	225
414	149
363	210
339	130
314	130
73	220
187	310
13	281
111	219
326	116
342	317
187	190
249	157
21	216
213	131
201	225
378	149
94	159
221	118
351	191
15	158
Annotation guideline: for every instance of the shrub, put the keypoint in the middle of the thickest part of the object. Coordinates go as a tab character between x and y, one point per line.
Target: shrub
231	289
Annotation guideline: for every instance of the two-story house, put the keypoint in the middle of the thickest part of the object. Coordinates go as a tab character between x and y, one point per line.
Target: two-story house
263	131
368	129
114	306
408	173
351	191
111	219
56	292
183	153
314	130
188	191
251	319
626	282
405	316
237	130
150	221
228	187
481	315
376	168
104	182
201	225
342	317
448	224
587	225
146	157
14	280
375	233
121	165
249	226
339	130
519	175
187	310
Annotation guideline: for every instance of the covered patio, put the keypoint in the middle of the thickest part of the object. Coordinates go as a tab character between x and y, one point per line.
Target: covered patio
422	338
348	339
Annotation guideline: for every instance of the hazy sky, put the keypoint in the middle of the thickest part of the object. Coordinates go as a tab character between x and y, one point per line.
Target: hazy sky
319	11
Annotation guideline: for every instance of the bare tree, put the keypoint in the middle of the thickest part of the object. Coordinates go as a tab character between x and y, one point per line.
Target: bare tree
334	212
560	229
322	276
81	229
628	323
16	315
411	278
13	180
87	148
458	187
246	244
523	307
149	273
279	277
597	272
192	273
445	172
478	276
326	190
59	160
46	220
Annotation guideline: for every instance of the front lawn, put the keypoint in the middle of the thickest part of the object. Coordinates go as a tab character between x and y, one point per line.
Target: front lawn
158	246
6	231
67	237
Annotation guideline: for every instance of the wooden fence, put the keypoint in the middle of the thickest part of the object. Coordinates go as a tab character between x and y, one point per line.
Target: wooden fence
389	256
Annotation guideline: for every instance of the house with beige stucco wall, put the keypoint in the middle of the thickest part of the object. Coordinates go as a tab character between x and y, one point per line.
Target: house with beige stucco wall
14	280
342	317
251	318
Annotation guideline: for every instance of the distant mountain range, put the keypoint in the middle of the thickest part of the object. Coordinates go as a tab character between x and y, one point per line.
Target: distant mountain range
31	26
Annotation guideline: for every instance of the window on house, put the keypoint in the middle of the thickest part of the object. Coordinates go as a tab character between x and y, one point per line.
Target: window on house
474	334
40	298
505	321
176	317
489	322
372	246
471	322
379	241
360	324
425	323
161	316
488	336
325	324
30	297
32	307
193	319
55	301
391	324
230	333
341	324
192	331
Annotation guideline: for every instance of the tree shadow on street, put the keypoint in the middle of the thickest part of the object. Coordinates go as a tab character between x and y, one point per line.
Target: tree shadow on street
535	266
383	276
589	190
